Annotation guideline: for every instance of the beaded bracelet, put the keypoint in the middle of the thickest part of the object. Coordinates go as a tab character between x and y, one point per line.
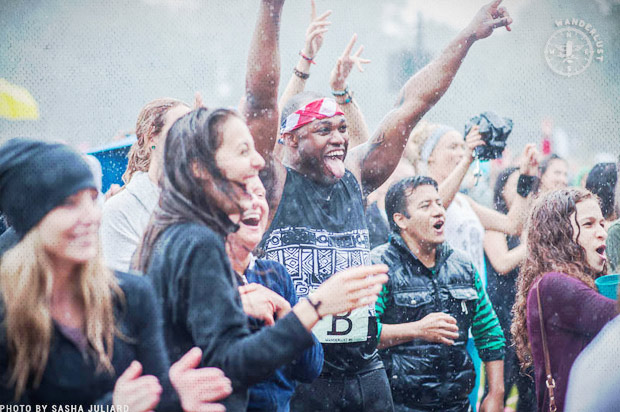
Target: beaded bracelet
306	58
343	93
338	93
301	75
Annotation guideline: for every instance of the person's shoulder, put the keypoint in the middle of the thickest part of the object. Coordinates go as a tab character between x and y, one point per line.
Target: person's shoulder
120	204
382	253
192	233
270	266
132	283
614	228
458	258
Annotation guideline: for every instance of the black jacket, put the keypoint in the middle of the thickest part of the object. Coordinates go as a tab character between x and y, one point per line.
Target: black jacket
70	377
201	307
425	375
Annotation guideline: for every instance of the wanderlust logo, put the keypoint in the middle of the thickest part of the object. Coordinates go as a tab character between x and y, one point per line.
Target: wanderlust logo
573	46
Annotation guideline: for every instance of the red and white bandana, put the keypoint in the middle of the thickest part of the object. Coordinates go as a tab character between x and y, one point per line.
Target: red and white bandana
318	109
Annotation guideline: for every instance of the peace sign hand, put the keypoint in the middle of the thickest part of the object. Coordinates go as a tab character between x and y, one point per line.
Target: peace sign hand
345	63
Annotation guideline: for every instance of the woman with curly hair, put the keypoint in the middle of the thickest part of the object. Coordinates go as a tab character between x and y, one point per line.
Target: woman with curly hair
565	254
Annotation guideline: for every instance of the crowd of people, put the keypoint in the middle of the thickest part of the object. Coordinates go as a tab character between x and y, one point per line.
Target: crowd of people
279	257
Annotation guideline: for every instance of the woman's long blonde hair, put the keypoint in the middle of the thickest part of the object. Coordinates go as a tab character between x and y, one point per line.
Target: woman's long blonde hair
26	289
149	124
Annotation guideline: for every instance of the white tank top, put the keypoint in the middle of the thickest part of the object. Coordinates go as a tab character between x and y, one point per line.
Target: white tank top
464	232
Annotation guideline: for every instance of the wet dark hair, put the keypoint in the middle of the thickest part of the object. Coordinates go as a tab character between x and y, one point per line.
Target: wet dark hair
396	197
297	101
602	181
544	165
499	202
194	188
546	162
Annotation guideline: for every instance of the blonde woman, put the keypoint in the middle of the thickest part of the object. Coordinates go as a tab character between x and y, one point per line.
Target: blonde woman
73	332
126	214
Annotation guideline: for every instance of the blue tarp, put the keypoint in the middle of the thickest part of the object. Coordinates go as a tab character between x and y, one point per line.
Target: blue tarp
113	159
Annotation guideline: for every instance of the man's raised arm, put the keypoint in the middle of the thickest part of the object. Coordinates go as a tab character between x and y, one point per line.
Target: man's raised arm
374	161
260	106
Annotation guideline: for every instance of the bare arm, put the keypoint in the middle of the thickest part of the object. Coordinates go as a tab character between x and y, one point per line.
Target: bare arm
262	78
358	130
314	41
373	162
502	259
450	186
436	327
512	223
494	401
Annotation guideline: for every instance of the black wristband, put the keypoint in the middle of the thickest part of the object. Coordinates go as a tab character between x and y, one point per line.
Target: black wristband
300	74
316	306
526	185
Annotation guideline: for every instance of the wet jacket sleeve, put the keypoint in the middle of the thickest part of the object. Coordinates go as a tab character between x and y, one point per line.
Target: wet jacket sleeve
309	365
487	332
380	306
218	325
145	317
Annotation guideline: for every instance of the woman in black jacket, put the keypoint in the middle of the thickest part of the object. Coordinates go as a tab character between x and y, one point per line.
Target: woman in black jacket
73	332
208	158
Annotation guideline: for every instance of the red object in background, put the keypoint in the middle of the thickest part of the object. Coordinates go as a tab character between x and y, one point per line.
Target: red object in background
546	147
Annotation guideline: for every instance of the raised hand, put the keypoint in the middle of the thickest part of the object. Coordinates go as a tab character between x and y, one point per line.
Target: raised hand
314	34
262	303
488	18
350	289
438	327
473	140
529	160
344	64
198	388
139	393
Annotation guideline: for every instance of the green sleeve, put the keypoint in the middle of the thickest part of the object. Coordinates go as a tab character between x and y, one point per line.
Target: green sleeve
487	332
380	309
613	246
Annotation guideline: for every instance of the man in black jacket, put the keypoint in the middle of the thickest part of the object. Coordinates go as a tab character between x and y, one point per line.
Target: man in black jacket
432	299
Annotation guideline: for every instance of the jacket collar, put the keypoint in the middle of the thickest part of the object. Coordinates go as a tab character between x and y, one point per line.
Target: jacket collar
443	250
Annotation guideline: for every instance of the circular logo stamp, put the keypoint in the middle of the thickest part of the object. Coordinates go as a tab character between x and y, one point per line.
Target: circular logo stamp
572	47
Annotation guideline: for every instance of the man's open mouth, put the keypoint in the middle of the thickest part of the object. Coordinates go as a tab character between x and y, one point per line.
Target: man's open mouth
335	155
438	225
334	161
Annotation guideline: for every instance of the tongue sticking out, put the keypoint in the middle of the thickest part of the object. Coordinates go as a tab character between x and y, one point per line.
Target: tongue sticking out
335	166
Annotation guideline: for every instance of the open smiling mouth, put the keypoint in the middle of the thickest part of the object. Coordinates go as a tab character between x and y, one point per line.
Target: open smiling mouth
250	219
334	161
438	225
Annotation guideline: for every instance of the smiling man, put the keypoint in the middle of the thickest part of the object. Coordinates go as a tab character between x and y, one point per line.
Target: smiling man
432	299
316	222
